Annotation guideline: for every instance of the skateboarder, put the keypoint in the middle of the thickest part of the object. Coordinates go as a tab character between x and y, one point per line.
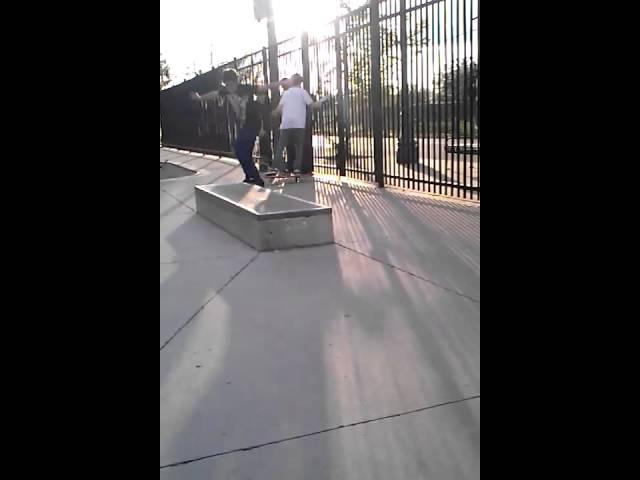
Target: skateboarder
250	127
293	108
290	147
247	120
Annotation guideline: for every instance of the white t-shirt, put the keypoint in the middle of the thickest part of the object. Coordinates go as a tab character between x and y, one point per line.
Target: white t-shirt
294	108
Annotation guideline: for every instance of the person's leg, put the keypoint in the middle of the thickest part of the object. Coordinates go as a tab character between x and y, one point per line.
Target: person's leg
244	150
265	152
283	139
291	154
298	142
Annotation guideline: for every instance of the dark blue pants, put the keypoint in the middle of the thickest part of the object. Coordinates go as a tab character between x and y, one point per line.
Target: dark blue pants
244	151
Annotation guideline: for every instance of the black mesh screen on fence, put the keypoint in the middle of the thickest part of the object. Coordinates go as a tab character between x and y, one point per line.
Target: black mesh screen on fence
192	125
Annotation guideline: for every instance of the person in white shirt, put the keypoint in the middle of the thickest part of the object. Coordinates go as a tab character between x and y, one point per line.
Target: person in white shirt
293	109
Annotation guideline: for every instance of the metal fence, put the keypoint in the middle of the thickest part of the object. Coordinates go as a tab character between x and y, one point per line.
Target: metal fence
403	80
188	125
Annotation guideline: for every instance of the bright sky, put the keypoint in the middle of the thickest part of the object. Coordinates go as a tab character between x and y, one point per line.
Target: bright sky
196	34
190	30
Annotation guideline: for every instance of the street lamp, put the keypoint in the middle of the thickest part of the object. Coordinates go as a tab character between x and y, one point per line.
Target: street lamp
263	9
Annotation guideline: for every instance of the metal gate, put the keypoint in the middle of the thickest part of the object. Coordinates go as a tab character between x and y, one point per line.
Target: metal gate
403	81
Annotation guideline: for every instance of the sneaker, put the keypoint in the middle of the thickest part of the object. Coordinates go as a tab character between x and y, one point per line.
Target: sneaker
297	171
271	173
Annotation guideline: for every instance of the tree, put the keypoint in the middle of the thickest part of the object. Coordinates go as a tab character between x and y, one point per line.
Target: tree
358	57
458	83
165	76
390	61
457	92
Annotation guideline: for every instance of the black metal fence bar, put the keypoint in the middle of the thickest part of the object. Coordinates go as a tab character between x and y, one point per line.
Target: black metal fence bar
376	94
324	124
340	112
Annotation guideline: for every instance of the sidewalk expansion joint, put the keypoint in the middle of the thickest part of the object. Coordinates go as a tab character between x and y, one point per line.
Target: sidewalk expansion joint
332	429
415	275
202	307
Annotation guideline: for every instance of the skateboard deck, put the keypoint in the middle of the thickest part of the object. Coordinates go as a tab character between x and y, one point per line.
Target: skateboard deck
297	178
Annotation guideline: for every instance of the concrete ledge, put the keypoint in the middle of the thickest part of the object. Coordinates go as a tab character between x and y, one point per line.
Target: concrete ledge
169	171
265	219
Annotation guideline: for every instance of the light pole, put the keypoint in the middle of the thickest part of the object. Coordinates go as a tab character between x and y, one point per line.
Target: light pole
264	9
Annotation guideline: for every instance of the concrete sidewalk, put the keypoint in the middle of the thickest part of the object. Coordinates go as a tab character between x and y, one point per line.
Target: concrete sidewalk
355	360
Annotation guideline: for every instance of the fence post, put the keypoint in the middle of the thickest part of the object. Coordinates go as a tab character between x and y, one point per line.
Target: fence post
478	105
342	151
304	42
307	154
265	66
478	96
407	146
273	60
376	92
273	69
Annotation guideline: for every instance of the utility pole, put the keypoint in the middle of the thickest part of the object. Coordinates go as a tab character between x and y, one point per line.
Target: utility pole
264	9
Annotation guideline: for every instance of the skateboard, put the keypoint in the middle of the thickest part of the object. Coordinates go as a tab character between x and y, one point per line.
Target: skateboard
297	178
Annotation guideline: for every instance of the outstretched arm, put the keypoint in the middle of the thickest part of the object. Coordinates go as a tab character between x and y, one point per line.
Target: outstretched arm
278	110
212	95
314	105
276	84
